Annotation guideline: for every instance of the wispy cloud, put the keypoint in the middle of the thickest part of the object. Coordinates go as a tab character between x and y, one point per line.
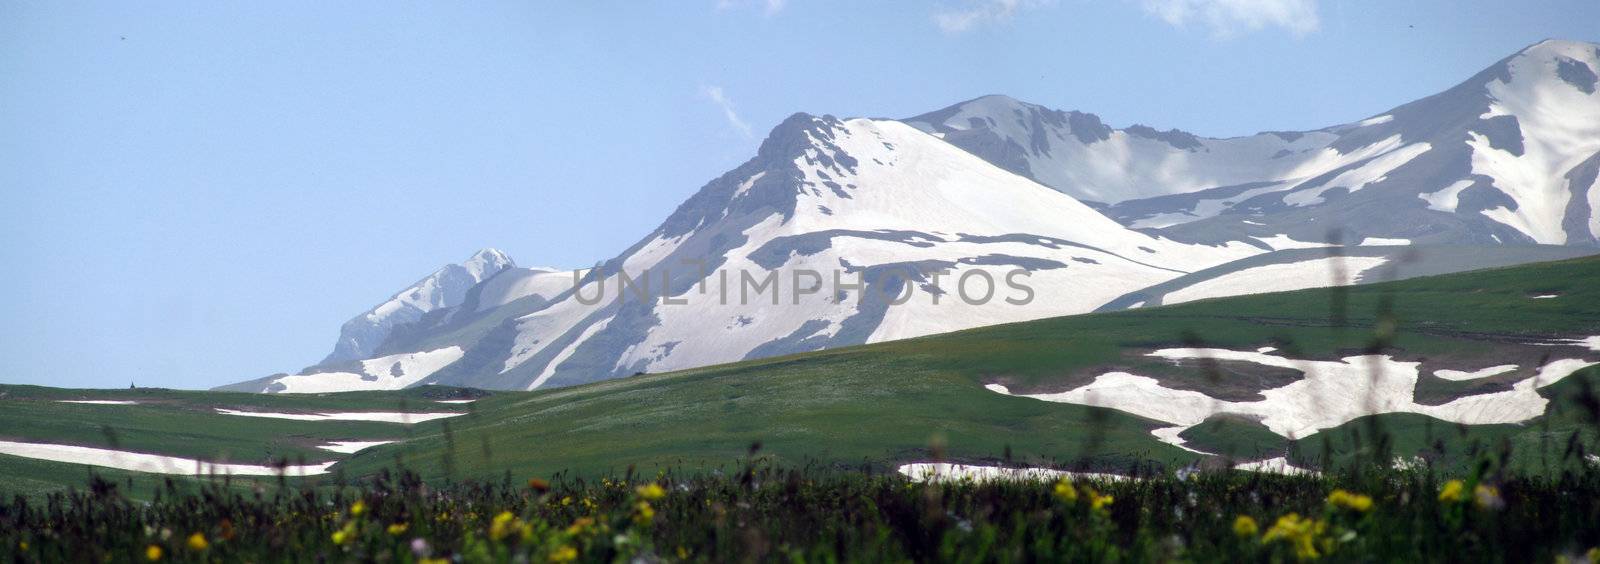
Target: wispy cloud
768	7
718	97
1226	18
981	12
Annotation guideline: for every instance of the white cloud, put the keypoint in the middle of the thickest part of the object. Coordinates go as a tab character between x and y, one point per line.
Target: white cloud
718	97
980	12
1227	17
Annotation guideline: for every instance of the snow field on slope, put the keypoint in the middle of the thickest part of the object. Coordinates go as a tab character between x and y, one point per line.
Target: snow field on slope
376	374
1316	273
376	416
150	463
1330	394
1560	128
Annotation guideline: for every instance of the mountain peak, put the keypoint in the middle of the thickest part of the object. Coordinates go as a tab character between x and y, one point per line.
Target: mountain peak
490	257
446	287
796	133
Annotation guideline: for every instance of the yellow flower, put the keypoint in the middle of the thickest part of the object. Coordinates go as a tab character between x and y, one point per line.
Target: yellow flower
1454	491
1245	526
434	561
643	513
504	524
1097	501
197	541
358	508
398	529
580	526
566	500
340	536
1065	492
1299	533
564	554
152	553
1594	555
651	491
1348	500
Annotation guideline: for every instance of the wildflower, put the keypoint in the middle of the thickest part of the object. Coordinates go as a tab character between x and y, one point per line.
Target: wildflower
564	554
398	529
538	485
1065	492
1352	501
1299	533
651	491
357	508
340	537
567	500
1096	500
197	541
683	553
152	553
643	513
1593	555
434	561
1454	491
580	526
420	548
1245	526
1487	497
503	525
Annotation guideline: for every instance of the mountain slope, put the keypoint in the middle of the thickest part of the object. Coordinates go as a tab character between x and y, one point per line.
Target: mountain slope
870	201
1507	157
836	233
1076	153
445	288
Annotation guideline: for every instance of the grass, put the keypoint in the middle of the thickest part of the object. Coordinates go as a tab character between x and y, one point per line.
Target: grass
762	512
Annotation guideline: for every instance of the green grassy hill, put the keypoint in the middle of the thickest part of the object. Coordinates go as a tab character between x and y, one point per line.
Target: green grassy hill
916	400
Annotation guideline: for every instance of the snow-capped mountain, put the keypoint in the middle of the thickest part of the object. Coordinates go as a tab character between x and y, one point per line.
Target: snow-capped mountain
1076	153
803	246
445	288
840	213
1508	156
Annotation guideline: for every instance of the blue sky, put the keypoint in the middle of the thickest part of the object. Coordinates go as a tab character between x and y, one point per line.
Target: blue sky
200	193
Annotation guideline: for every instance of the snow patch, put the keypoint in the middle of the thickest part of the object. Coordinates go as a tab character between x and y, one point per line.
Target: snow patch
351	447
101	402
151	463
948	472
1279	465
1170	436
1330	394
391	372
1386	118
1457	375
377	416
1315	273
1447	199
